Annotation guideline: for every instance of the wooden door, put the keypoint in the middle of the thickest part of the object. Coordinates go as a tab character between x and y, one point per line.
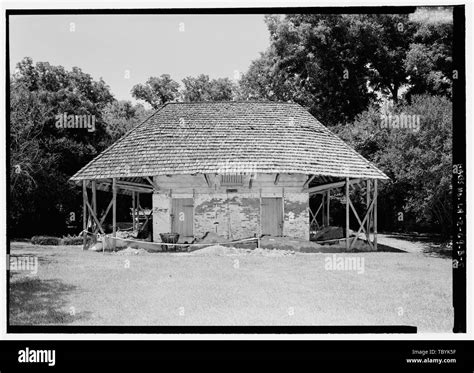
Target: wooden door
272	216
182	216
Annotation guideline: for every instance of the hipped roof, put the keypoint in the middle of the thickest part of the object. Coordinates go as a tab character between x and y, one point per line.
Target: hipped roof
204	137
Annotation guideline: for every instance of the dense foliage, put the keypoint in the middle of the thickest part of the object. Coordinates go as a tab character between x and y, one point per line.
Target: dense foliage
42	156
417	162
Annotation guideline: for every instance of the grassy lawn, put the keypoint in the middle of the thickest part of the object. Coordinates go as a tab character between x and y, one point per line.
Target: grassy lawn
79	287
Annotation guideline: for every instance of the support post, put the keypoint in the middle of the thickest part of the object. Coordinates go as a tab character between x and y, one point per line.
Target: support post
375	214
94	201
328	195
368	204
347	214
138	208
323	212
114	210
84	214
133	211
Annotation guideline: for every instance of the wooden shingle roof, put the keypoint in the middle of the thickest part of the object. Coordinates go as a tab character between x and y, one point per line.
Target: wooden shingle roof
189	138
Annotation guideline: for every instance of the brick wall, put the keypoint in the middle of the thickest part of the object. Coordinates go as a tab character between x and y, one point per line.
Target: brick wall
237	214
296	215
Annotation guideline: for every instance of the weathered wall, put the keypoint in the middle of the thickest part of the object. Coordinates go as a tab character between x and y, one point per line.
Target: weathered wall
296	215
161	215
232	214
237	214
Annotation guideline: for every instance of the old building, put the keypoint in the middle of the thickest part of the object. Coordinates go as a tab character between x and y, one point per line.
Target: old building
240	169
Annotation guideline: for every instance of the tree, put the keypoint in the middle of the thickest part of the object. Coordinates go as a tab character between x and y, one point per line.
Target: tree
312	61
417	162
43	156
335	65
202	88
429	60
121	116
157	90
27	119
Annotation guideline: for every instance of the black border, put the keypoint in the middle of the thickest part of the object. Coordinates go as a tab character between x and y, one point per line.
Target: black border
366	355
459	157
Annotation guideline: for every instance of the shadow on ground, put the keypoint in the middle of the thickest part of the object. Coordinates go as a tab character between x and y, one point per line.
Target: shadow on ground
41	302
389	249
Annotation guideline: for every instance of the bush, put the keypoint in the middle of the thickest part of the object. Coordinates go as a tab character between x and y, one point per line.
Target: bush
75	240
55	241
45	240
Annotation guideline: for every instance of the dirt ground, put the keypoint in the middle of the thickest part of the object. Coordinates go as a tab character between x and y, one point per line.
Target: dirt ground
78	287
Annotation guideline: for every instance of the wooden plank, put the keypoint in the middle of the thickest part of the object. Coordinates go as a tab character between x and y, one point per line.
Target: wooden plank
94	217
375	214
360	225
84	213
367	201
328	197
365	218
325	187
123	184
347	214
94	201
277	177
182	211
308	181
324	212
134	189
114	209
133	211
313	220
207	180
272	216
106	211
317	212
152	183
282	210
260	227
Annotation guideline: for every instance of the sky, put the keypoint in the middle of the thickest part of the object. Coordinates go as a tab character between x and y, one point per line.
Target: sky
128	49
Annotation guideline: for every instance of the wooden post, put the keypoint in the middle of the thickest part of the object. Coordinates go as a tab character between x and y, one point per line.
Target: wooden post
347	214
375	214
328	195
133	210
114	210
139	208
323	213
94	201
368	204
84	214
